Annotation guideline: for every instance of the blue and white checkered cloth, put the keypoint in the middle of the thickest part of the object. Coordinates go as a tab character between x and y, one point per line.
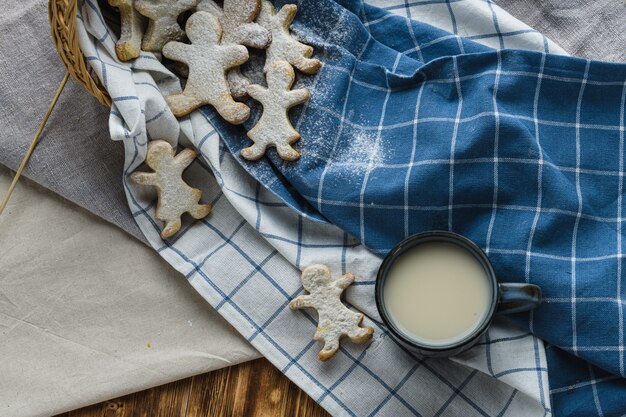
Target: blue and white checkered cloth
409	128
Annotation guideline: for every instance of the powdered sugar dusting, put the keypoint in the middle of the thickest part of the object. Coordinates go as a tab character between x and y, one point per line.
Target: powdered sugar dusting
357	147
329	34
341	32
362	151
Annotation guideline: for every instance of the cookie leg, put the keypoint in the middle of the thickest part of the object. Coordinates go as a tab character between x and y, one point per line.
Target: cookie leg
361	334
254	152
287	153
232	111
237	83
330	348
183	104
200	211
307	65
171	227
129	44
300	58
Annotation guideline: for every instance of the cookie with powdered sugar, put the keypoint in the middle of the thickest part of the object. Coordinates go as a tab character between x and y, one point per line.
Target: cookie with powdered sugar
284	46
274	129
163	24
335	320
128	46
175	197
237	20
208	62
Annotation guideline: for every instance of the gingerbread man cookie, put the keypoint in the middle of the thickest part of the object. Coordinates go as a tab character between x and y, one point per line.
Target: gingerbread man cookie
284	47
274	127
128	45
175	197
335	319
163	24
237	20
208	62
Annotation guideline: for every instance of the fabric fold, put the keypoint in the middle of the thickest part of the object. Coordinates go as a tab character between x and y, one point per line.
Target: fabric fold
269	242
514	145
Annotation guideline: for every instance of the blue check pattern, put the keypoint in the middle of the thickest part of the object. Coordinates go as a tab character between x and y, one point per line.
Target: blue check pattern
520	151
379	68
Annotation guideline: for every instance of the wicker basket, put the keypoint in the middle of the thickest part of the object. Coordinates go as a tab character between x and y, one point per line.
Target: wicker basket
62	14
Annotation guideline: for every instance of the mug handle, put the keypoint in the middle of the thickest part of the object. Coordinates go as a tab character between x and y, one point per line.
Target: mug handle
517	297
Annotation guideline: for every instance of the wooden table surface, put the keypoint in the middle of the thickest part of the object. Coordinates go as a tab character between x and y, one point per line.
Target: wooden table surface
252	389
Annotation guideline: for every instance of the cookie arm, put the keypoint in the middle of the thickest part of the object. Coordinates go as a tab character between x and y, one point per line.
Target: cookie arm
252	35
301	301
184	158
150	9
286	14
233	55
143	178
256	91
298	96
143	7
345	281
177	51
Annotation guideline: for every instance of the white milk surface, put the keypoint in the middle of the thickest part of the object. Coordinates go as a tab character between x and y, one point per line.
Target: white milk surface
437	293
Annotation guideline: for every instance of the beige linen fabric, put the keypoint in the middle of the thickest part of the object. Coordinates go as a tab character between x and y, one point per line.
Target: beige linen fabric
76	157
594	29
80	300
88	313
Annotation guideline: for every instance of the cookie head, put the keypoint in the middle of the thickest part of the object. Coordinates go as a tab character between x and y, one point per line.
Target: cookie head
159	151
203	28
242	10
280	76
315	276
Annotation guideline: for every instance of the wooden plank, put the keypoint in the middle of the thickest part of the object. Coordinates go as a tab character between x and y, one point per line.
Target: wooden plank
252	389
119	407
168	400
303	405
210	394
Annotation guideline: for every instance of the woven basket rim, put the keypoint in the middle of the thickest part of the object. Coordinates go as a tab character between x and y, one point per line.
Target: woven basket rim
62	15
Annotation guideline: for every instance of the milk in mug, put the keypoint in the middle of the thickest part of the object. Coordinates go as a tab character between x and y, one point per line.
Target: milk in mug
437	293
